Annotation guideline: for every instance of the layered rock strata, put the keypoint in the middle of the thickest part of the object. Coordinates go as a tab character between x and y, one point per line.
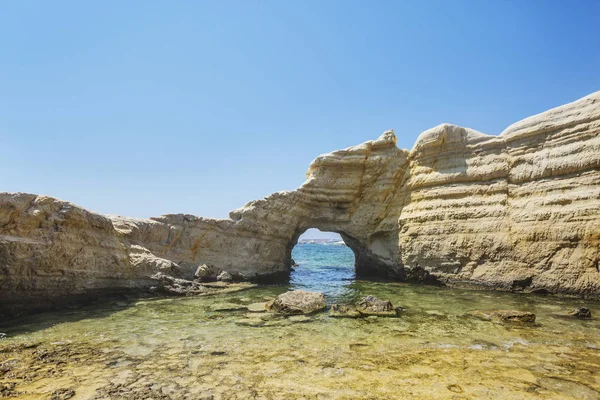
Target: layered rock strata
518	211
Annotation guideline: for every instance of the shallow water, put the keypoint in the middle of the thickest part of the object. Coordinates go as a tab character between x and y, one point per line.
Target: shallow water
183	348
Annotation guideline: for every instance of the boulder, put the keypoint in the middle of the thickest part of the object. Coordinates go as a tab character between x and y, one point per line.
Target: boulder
297	302
504	315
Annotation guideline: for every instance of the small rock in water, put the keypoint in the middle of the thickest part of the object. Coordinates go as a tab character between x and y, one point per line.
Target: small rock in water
581	312
503	315
224	277
297	302
3	336
257	307
372	306
344	311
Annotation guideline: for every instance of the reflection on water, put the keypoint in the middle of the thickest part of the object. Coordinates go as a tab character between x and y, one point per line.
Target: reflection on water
182	348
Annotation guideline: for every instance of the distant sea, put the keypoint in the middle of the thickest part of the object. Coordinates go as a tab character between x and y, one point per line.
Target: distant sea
324	266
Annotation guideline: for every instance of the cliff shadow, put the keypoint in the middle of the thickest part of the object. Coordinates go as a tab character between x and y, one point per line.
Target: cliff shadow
69	309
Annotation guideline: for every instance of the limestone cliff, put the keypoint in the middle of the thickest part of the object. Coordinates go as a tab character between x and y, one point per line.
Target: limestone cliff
518	211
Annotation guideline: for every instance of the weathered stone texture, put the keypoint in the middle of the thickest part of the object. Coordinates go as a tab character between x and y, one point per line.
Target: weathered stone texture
518	211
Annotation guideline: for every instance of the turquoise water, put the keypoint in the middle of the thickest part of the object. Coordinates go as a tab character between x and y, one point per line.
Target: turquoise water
324	268
213	348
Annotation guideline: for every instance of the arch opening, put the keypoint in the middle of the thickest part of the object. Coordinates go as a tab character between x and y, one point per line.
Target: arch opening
372	256
322	261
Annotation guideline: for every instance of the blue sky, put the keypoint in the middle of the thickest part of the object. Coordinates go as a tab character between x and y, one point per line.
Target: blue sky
147	108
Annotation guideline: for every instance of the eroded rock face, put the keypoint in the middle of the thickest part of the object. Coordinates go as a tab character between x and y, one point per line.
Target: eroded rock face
518	211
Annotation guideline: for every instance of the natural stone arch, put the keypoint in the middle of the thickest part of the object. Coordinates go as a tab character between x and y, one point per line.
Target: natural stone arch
351	191
464	207
365	263
517	210
341	195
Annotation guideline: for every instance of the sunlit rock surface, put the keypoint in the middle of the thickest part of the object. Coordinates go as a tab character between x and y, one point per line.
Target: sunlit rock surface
518	211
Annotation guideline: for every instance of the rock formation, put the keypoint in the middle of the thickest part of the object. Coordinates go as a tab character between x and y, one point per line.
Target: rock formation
518	211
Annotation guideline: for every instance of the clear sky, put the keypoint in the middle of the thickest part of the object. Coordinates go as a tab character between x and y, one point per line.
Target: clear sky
143	108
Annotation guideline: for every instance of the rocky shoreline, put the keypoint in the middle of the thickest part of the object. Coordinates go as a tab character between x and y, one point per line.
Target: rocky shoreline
517	212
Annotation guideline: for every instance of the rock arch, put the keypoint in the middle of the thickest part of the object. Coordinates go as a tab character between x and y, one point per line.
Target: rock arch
350	191
518	210
462	207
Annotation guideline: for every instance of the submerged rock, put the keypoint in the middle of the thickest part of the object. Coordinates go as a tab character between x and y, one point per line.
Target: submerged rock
504	315
257	307
278	322
581	312
297	302
254	322
369	306
265	316
344	311
372	306
578	313
206	273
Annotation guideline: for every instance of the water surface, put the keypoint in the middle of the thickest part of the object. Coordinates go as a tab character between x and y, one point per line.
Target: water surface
182	348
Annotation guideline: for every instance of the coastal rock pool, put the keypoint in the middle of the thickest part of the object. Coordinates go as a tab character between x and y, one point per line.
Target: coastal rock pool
206	348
